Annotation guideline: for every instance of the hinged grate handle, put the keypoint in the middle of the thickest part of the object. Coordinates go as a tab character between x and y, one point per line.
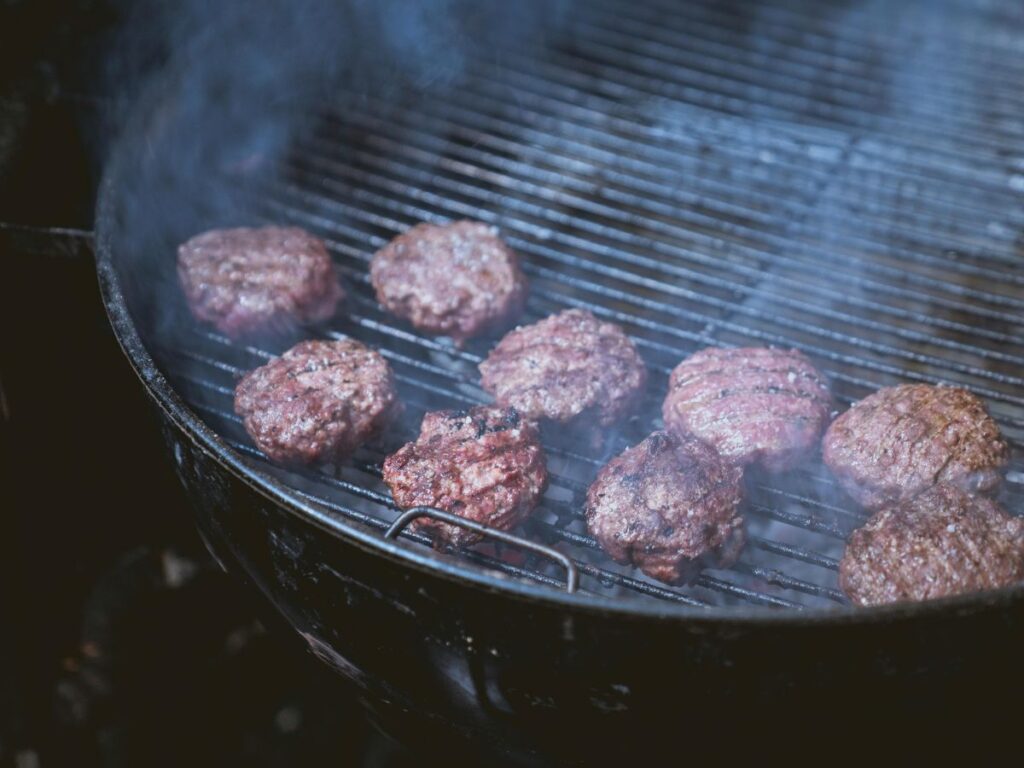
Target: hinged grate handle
572	576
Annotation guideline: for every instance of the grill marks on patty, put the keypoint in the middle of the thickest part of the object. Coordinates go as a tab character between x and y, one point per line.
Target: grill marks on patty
901	440
485	464
667	505
318	402
565	367
915	453
755	405
458	279
942	542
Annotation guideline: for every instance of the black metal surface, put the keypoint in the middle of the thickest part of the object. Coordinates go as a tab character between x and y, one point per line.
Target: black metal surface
701	173
442	663
844	180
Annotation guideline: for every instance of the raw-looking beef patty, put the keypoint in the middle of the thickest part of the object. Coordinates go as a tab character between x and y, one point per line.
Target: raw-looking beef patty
251	281
457	280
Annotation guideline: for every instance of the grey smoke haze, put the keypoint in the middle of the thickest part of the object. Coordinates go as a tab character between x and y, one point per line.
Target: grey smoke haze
213	94
226	88
238	79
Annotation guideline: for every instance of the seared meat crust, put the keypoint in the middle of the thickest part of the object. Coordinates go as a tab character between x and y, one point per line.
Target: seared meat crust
754	405
666	505
940	543
485	464
318	402
902	440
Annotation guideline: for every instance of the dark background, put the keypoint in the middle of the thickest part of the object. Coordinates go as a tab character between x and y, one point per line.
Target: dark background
123	644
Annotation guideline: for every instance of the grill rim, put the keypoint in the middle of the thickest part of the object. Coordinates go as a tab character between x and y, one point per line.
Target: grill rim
136	132
409	554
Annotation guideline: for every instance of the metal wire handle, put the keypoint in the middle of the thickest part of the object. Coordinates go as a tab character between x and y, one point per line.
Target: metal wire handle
572	576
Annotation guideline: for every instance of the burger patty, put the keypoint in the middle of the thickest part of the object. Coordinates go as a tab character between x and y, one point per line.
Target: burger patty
755	405
250	281
902	440
318	402
940	543
570	367
457	280
667	505
485	464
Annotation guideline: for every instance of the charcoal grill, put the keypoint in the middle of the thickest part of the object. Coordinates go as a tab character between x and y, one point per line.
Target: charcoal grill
845	179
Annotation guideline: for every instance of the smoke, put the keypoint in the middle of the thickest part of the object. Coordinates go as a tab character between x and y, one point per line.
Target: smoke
212	95
777	200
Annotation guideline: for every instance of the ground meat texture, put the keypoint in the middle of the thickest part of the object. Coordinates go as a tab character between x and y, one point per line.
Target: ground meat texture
666	506
570	367
318	402
485	464
942	542
755	406
253	281
902	440
457	280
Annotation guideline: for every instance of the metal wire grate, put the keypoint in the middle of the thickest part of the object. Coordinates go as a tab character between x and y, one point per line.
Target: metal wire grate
845	181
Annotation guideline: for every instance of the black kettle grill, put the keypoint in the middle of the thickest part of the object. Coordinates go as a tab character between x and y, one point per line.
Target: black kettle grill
843	178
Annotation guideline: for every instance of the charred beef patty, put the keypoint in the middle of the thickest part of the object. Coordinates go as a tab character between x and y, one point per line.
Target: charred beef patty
485	464
902	440
318	402
457	280
567	367
667	504
763	406
248	281
942	542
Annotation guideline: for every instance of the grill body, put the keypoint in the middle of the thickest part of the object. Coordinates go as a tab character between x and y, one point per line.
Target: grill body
449	666
702	174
